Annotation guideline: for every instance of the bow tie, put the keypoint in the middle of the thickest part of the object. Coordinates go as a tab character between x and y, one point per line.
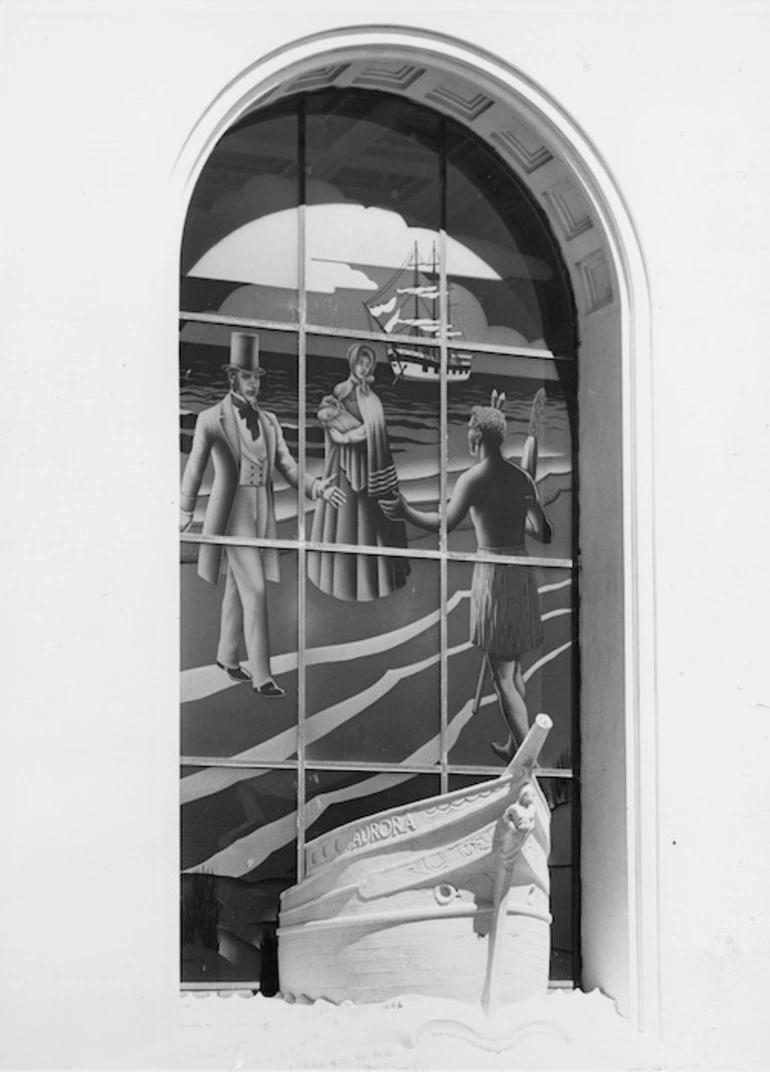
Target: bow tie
250	416
362	383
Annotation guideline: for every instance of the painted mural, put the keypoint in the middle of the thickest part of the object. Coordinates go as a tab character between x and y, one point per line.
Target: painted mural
325	471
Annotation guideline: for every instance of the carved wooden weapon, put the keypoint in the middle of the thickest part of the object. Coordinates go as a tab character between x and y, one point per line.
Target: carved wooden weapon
511	832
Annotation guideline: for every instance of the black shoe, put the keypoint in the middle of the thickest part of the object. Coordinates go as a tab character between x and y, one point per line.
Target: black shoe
235	673
270	690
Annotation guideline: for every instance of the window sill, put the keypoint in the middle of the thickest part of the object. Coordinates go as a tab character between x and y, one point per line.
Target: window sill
565	1029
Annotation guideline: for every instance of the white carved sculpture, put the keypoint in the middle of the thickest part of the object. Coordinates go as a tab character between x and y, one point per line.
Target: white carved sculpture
447	897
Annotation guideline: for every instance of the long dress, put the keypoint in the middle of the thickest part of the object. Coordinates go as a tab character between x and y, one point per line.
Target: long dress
365	472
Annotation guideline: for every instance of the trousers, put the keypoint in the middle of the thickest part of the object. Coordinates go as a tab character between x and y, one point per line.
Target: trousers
244	603
244	613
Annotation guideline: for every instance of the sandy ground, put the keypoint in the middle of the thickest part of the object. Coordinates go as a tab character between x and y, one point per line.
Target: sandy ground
564	1030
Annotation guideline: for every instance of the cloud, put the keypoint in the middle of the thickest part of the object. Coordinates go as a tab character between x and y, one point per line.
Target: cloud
498	335
325	278
251	237
381	238
339	236
263	251
259	196
506	260
263	195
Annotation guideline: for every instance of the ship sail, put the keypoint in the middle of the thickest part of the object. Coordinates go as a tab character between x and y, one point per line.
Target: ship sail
422	292
408	301
417	322
388	307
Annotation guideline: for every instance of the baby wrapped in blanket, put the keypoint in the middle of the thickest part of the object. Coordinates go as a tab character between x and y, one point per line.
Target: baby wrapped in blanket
342	426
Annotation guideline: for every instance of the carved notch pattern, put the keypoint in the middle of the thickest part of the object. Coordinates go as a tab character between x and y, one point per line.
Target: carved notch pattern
320	77
526	152
597	282
571	212
460	98
388	76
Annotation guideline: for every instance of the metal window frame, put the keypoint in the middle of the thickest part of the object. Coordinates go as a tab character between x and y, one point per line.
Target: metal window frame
302	545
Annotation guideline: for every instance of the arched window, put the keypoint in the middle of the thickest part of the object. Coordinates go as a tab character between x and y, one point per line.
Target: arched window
383	245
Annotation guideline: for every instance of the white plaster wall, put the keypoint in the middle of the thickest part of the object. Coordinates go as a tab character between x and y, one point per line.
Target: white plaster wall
95	102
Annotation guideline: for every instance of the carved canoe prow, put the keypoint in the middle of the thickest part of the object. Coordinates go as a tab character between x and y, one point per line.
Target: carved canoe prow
444	897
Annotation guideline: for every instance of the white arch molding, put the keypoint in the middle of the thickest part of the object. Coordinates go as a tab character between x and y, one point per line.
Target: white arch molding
598	242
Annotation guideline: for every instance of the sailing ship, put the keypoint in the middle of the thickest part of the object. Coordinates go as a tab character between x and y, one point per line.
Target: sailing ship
445	897
407	305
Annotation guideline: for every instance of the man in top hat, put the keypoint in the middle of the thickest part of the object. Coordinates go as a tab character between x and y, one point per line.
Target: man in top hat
246	445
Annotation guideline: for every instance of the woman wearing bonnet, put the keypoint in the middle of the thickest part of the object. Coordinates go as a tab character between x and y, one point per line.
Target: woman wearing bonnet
357	455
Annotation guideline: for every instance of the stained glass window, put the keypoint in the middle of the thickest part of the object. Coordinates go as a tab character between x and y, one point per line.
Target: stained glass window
378	515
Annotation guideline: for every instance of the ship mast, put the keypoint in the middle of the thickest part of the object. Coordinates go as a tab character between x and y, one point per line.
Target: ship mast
436	281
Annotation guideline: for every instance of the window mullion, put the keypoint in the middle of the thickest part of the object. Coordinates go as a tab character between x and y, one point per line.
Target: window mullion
301	534
444	457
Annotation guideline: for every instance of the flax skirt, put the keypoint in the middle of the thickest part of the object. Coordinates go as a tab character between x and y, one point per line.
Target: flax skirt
505	609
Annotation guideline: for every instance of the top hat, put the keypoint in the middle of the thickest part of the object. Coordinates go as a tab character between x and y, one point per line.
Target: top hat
244	352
